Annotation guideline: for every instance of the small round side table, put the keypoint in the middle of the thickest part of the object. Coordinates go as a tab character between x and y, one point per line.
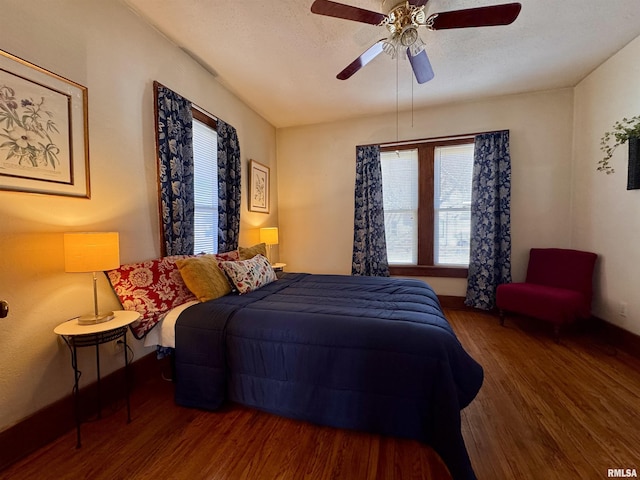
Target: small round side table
76	336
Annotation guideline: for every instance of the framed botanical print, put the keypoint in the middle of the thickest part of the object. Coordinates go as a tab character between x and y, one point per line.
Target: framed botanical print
43	131
258	187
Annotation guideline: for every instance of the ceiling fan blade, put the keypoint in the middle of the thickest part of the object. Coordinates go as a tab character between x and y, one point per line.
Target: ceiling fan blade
421	66
361	61
477	17
418	3
339	10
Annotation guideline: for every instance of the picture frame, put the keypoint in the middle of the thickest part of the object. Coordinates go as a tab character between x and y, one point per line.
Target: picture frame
258	187
44	141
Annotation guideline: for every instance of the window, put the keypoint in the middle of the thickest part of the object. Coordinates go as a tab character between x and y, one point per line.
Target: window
205	179
453	169
400	192
427	206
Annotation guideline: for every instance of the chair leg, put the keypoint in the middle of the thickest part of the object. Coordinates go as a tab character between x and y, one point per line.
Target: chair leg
501	314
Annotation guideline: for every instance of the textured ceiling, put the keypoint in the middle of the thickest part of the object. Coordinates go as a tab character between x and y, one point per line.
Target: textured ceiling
282	60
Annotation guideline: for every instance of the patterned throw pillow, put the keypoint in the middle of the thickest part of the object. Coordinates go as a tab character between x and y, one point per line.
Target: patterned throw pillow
249	275
150	288
203	276
249	252
231	256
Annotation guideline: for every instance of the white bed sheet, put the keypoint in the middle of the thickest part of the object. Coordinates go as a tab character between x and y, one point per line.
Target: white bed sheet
164	334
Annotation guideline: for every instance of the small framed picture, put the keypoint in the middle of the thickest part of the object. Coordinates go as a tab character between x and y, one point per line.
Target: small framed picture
258	187
44	145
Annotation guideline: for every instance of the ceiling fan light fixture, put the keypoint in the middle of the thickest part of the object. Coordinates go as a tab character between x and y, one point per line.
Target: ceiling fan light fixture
409	36
402	16
418	15
402	22
389	47
416	47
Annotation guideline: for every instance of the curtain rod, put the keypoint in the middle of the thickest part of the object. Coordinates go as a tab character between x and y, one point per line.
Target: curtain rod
431	139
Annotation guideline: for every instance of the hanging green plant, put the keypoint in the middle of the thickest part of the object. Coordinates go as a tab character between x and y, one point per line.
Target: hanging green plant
622	131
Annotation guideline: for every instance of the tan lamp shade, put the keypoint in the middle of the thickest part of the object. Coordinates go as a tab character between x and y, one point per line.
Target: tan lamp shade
91	252
269	235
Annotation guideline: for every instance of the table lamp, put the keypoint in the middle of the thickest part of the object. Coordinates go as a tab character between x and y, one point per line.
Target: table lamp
92	252
269	236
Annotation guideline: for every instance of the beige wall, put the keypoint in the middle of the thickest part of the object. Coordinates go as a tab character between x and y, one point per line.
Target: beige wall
606	215
317	173
104	46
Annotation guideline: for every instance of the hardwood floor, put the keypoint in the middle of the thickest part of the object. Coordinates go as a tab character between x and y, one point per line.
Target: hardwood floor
546	411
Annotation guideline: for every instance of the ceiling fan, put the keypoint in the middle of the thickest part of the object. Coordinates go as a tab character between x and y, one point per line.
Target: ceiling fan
403	22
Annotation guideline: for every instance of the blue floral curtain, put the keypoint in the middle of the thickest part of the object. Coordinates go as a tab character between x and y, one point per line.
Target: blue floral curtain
228	187
369	243
490	256
175	171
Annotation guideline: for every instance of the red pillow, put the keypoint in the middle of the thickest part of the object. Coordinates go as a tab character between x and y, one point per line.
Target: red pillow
150	288
232	256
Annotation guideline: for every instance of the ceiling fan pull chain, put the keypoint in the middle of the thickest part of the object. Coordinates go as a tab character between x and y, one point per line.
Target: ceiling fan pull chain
411	79
397	99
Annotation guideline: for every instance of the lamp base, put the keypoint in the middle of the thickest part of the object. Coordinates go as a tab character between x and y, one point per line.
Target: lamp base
94	319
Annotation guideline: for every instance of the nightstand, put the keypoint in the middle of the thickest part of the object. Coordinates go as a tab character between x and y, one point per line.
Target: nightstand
278	267
76	335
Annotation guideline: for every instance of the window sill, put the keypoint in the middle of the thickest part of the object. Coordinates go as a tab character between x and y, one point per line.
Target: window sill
428	271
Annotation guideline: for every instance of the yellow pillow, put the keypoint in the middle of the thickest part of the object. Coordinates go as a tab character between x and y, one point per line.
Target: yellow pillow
203	277
249	252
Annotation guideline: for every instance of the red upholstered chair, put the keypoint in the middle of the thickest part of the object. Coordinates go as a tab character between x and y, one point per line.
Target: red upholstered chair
558	288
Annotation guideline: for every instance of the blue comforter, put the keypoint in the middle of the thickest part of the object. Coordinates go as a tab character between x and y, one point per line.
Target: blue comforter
366	353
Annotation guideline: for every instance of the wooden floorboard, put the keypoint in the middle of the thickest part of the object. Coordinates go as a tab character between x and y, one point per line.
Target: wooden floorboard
546	411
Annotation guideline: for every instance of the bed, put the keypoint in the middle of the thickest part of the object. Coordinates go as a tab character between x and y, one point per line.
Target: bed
365	353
